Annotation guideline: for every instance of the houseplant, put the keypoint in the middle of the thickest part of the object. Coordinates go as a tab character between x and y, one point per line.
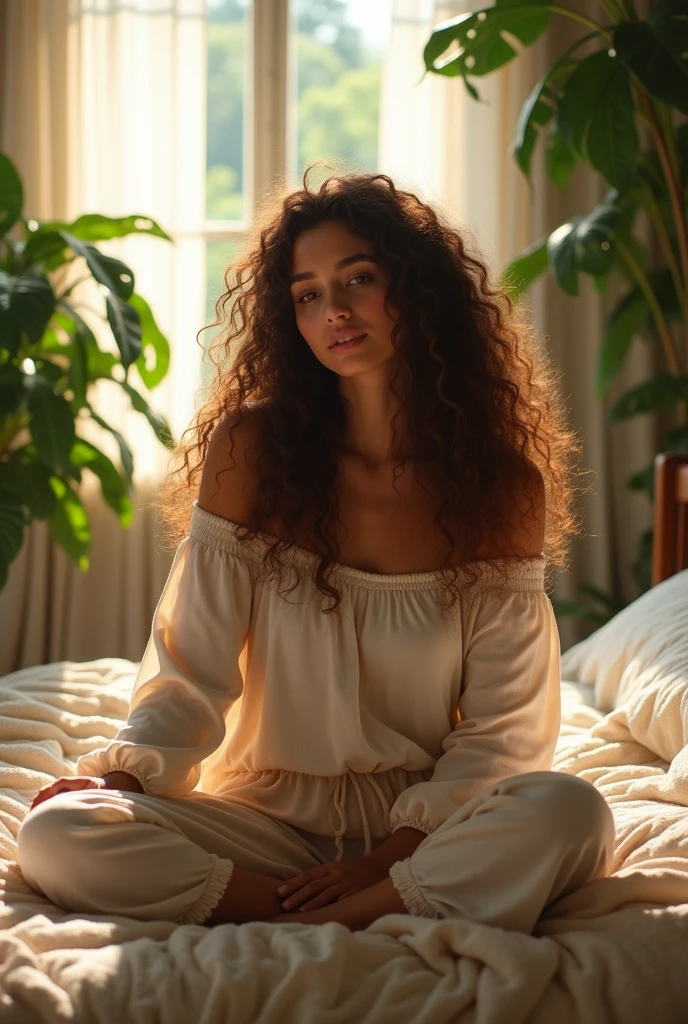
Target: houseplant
593	108
49	361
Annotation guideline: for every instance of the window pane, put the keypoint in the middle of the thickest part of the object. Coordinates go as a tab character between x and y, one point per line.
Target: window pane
228	65
337	49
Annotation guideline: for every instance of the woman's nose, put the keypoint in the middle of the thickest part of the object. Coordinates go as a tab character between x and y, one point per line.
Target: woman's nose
337	310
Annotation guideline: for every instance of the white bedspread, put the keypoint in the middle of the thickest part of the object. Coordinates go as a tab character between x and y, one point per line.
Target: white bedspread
615	951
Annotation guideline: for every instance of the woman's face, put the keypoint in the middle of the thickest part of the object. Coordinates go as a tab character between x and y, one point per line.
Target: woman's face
339	291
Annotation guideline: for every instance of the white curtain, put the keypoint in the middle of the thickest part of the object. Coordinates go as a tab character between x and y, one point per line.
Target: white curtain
103	110
435	138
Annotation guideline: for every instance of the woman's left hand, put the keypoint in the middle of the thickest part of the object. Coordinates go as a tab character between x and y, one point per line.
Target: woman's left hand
328	883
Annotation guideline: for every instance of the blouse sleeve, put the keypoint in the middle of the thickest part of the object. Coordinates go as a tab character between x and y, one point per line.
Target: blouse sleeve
509	708
189	675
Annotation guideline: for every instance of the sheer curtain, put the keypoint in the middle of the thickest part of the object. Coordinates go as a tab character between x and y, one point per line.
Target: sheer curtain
435	138
102	108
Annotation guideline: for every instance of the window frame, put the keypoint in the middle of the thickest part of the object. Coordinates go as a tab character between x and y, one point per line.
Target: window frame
267	127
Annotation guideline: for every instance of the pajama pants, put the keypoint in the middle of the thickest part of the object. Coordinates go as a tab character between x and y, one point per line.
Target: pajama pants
500	859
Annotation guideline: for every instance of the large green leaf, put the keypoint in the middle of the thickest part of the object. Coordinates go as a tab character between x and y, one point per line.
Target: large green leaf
584	244
87	456
482	45
11	389
662	284
51	424
622	327
98	363
539	107
95	227
11	530
597	118
154	360
158	423
11	194
656	50
117	277
78	368
527	266
595	239
27	476
125	452
26	305
69	524
126	328
42	247
662	390
560	159
561	254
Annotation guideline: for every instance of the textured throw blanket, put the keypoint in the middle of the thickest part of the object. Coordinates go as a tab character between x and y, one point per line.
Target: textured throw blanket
615	952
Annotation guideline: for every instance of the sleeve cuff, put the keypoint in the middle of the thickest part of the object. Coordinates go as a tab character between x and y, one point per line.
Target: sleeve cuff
98	763
422	826
139	776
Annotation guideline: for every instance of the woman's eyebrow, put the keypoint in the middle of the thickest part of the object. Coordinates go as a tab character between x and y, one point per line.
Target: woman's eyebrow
338	266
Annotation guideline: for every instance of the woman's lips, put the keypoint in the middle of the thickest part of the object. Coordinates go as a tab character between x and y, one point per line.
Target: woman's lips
346	345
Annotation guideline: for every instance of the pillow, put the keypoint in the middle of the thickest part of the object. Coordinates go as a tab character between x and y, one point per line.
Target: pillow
650	633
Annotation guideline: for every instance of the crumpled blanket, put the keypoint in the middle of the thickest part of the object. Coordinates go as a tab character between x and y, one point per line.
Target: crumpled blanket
614	952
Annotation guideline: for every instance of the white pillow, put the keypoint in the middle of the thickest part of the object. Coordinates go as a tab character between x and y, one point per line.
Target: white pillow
647	640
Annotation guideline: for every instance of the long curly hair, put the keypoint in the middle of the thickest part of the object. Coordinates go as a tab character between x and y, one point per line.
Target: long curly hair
481	404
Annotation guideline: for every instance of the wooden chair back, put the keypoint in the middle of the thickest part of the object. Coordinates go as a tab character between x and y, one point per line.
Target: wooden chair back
670	541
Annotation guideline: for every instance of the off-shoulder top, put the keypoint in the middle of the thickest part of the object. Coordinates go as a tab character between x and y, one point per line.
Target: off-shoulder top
385	717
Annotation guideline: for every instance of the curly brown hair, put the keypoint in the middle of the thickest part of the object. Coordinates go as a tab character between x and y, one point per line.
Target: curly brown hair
482	405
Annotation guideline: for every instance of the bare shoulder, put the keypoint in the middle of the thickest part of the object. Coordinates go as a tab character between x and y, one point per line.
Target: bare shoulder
230	474
524	534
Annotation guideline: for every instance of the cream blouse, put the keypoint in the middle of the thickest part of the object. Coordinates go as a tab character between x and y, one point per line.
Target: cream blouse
389	717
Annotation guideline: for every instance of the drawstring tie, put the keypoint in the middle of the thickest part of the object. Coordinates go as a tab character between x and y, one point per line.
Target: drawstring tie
339	798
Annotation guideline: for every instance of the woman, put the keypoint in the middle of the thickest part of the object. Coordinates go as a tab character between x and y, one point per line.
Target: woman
384	437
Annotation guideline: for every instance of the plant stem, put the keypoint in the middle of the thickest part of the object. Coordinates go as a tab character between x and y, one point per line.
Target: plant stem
660	227
646	288
613	9
675	198
568	13
65	294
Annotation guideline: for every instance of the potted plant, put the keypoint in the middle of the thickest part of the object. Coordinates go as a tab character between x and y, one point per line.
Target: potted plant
49	360
589	108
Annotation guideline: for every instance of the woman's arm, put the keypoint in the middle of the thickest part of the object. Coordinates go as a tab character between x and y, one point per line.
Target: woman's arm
122	780
400	845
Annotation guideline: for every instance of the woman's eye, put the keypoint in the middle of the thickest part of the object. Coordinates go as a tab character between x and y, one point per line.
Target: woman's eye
302	298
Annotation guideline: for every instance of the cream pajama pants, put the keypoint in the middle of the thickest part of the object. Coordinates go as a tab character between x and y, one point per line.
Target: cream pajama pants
499	860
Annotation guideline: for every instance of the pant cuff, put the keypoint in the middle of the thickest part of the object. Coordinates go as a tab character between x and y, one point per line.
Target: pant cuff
220	874
409	890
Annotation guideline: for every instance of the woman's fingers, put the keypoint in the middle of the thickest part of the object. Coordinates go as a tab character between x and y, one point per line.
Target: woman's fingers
64	786
331	895
298	894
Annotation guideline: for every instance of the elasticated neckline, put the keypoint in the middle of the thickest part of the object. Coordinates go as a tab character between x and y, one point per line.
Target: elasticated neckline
510	573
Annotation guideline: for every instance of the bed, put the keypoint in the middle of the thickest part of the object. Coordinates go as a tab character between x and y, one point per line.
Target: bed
614	952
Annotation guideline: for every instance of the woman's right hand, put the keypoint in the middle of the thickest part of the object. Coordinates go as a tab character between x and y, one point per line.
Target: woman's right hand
113	780
66	785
